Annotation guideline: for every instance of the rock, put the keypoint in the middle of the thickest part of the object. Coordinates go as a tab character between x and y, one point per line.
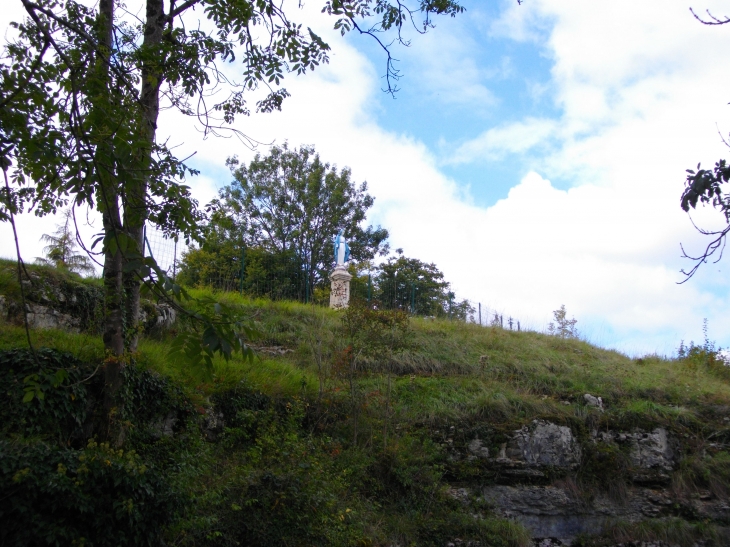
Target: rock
647	450
477	449
551	512
165	427
276	351
545	443
547	542
548	511
652	450
166	316
43	317
461	495
556	513
213	424
596	402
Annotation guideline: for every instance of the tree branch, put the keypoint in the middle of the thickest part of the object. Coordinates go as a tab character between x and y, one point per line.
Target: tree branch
714	21
174	12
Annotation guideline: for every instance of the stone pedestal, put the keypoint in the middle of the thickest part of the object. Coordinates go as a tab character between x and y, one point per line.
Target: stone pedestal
340	294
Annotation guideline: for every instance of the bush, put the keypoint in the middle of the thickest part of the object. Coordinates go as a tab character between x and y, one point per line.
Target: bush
43	393
96	496
57	488
278	485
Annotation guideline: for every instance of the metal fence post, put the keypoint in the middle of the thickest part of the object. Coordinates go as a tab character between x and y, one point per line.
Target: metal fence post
243	267
174	260
306	284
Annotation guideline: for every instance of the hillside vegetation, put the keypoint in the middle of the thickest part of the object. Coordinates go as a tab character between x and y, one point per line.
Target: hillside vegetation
299	448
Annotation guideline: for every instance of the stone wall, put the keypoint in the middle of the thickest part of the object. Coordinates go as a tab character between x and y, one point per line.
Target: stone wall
55	300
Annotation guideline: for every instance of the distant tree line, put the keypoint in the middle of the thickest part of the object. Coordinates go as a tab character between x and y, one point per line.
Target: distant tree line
270	234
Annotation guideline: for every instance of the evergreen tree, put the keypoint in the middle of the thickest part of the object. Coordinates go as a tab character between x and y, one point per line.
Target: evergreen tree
61	249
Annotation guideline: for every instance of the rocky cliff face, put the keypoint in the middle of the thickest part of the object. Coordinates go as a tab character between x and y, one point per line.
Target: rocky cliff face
57	301
538	477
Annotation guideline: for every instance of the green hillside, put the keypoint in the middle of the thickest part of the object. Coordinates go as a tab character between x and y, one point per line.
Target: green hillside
295	448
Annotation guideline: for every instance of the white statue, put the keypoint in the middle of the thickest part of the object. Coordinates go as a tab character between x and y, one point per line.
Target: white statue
342	250
340	293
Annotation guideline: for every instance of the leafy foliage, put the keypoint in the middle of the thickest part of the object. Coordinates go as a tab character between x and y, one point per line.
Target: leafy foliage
291	202
707	186
57	486
374	333
224	330
283	487
43	393
96	495
418	287
217	264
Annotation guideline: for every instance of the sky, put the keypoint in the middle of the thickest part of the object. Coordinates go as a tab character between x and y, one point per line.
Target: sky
536	153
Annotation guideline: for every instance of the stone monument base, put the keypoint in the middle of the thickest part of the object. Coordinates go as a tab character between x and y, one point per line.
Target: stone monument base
340	293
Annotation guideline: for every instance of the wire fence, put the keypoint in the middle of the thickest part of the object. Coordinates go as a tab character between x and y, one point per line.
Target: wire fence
404	296
165	250
290	280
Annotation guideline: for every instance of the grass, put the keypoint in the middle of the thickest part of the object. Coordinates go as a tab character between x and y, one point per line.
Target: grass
450	369
9	276
450	375
671	531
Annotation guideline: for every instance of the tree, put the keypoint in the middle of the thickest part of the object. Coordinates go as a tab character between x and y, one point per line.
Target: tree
80	95
412	285
707	186
216	258
563	327
419	288
61	250
290	202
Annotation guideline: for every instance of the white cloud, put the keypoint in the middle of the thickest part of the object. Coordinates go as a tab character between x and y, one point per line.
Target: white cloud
639	87
443	65
512	138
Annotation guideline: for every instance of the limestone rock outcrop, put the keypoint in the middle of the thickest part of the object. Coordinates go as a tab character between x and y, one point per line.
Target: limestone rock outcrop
525	488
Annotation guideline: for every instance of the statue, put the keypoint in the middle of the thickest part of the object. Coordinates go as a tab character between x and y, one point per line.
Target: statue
342	250
340	293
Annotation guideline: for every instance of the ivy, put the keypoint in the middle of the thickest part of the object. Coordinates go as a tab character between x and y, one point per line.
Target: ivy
94	496
43	393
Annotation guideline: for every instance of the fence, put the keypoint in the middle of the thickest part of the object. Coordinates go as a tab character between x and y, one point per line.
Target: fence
166	251
405	296
289	279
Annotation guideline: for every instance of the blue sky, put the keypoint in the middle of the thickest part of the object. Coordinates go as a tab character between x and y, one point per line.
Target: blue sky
492	81
535	153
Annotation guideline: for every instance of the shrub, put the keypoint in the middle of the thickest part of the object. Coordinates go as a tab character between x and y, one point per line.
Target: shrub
95	496
43	393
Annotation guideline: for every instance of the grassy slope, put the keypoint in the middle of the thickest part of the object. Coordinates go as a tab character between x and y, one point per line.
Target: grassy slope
451	370
452	374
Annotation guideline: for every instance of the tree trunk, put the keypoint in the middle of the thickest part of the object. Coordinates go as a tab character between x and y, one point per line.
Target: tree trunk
108	203
135	210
